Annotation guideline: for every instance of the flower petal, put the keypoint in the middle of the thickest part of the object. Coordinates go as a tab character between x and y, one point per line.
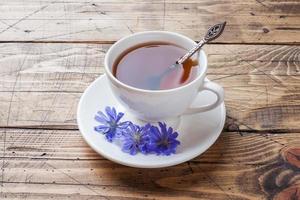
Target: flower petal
119	133
102	128
111	112
110	135
155	134
144	149
101	117
163	127
130	148
170	131
174	135
124	125
119	116
114	112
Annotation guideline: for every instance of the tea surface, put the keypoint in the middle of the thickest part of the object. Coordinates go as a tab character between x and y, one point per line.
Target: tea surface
147	66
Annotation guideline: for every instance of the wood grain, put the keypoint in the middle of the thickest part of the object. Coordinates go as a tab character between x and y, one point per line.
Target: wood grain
107	21
43	83
50	51
57	163
71	67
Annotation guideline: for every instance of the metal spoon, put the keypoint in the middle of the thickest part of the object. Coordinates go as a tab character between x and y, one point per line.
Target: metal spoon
212	33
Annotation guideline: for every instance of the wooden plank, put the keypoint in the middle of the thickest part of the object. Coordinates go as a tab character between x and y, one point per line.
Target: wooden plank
82	192
107	21
57	163
29	144
253	103
40	110
261	83
71	67
50	67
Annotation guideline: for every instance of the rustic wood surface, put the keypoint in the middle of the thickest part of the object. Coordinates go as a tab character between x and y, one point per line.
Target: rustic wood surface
250	21
50	51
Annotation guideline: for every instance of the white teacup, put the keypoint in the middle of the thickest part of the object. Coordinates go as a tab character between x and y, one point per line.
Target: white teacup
161	105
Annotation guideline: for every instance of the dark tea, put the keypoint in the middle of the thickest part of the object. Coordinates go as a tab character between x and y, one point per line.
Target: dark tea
148	66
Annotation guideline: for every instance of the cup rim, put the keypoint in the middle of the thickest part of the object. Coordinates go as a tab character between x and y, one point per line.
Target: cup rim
113	78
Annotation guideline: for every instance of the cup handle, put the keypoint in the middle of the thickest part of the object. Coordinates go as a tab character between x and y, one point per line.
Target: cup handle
213	87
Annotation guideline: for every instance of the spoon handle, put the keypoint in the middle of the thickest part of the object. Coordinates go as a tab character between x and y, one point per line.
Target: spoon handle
212	33
191	52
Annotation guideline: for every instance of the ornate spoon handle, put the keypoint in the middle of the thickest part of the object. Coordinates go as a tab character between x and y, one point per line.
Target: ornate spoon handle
212	33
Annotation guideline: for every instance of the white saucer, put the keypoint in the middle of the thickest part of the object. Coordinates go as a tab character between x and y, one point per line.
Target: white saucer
196	132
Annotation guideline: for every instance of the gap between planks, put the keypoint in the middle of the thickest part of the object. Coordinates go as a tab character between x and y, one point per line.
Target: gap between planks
72	128
112	42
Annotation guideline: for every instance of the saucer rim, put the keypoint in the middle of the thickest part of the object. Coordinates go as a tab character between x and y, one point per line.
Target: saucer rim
168	164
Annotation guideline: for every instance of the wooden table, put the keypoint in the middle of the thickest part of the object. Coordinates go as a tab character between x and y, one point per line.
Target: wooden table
51	51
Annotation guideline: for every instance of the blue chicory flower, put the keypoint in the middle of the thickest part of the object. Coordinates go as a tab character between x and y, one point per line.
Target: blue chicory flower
136	139
133	138
163	141
110	123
